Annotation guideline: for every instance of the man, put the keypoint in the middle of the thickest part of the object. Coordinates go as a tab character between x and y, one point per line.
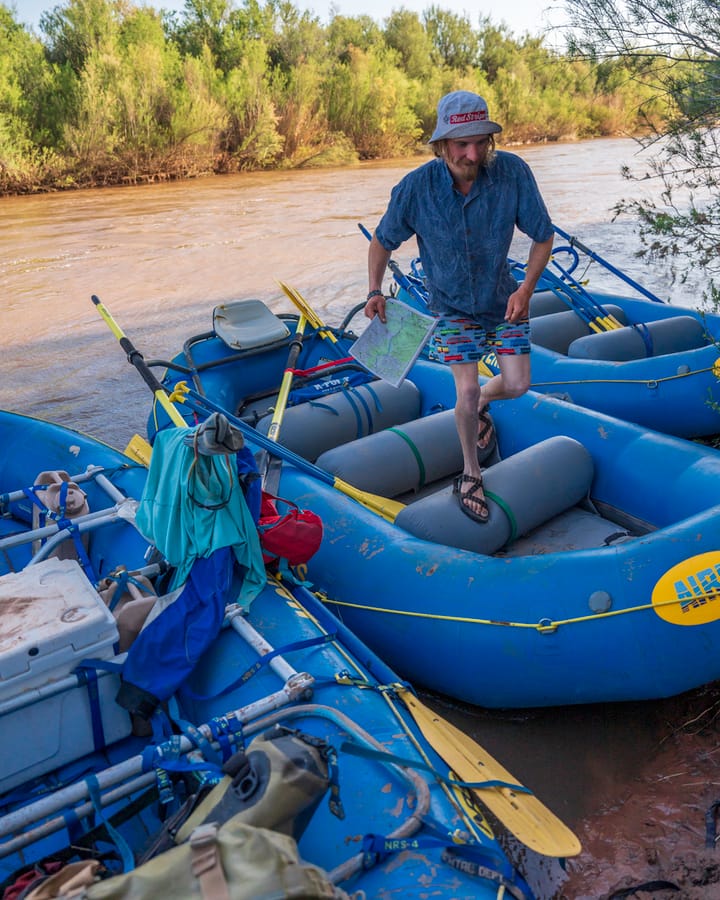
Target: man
463	208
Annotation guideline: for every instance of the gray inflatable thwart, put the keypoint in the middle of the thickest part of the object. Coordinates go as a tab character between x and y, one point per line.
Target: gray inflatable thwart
402	458
313	427
523	492
672	335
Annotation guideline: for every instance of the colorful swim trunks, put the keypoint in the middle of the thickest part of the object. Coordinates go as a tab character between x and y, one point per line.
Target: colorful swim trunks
457	340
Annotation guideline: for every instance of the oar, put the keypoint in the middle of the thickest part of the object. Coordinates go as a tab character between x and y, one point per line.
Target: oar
306	310
283	394
135	358
519	810
580	302
400	277
607	319
574	242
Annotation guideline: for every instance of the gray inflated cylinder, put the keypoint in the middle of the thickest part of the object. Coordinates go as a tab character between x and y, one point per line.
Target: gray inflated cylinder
400	459
310	428
556	331
672	335
544	302
523	492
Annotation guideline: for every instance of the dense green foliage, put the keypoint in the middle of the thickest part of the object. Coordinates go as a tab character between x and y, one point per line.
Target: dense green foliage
671	49
110	93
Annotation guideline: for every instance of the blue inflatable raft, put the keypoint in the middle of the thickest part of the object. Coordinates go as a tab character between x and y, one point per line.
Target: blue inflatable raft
628	354
324	760
596	578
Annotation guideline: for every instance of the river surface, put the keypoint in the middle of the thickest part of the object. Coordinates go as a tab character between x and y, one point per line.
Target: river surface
161	256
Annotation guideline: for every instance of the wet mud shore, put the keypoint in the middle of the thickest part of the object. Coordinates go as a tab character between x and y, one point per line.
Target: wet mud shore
657	835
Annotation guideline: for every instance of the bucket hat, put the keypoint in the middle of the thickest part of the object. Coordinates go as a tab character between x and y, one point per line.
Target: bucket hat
462	114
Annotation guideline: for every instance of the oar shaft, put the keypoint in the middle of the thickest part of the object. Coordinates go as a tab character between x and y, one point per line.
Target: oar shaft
574	242
284	393
399	276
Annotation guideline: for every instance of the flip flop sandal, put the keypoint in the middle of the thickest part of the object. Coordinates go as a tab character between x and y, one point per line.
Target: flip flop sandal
471	494
486	433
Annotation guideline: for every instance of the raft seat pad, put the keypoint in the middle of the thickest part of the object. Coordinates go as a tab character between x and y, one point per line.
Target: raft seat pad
557	330
246	324
311	428
524	492
400	459
676	334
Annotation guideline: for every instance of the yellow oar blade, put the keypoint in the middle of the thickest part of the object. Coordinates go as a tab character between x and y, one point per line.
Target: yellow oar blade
302	305
522	814
383	506
139	450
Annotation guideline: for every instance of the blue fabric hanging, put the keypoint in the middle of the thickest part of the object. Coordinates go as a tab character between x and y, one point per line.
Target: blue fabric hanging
194	510
168	649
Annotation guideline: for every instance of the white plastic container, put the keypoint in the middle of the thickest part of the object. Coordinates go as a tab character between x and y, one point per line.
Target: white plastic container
51	619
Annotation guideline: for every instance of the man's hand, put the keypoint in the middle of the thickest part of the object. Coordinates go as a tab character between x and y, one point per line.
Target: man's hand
518	305
376	307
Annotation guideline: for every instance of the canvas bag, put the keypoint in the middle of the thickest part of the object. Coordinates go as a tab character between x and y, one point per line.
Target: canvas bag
233	862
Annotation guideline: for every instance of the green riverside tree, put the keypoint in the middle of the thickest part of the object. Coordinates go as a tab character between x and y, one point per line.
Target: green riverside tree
671	50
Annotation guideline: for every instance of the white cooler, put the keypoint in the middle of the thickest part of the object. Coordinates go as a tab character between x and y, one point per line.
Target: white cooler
51	619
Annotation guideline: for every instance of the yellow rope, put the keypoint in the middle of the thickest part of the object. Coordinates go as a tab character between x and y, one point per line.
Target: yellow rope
544	626
475	826
644	381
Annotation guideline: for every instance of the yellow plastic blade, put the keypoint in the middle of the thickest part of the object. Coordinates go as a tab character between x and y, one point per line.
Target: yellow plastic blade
524	815
307	311
383	506
139	450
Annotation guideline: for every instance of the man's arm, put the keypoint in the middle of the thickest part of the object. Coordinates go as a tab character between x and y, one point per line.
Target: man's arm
518	305
378	258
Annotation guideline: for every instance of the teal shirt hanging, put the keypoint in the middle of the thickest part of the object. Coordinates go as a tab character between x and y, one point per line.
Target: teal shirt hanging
192	506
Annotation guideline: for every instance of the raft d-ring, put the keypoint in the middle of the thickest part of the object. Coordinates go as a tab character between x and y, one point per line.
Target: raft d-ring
652	385
546	626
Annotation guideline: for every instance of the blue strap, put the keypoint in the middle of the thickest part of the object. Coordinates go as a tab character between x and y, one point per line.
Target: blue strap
72	823
324	406
360	399
126	855
87	675
347	394
644	333
263	661
83	558
373	393
381	755
123	579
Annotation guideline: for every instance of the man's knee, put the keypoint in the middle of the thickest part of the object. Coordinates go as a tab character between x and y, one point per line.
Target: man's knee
516	387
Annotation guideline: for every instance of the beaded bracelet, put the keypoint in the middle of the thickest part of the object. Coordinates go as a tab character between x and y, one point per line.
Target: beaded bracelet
374	293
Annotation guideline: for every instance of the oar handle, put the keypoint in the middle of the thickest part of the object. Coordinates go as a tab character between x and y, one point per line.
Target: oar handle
135	358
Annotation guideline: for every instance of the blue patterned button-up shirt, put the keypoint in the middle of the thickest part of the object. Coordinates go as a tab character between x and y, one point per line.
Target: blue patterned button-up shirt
464	240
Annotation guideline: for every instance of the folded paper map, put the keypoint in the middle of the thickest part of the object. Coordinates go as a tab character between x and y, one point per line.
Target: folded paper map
390	349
